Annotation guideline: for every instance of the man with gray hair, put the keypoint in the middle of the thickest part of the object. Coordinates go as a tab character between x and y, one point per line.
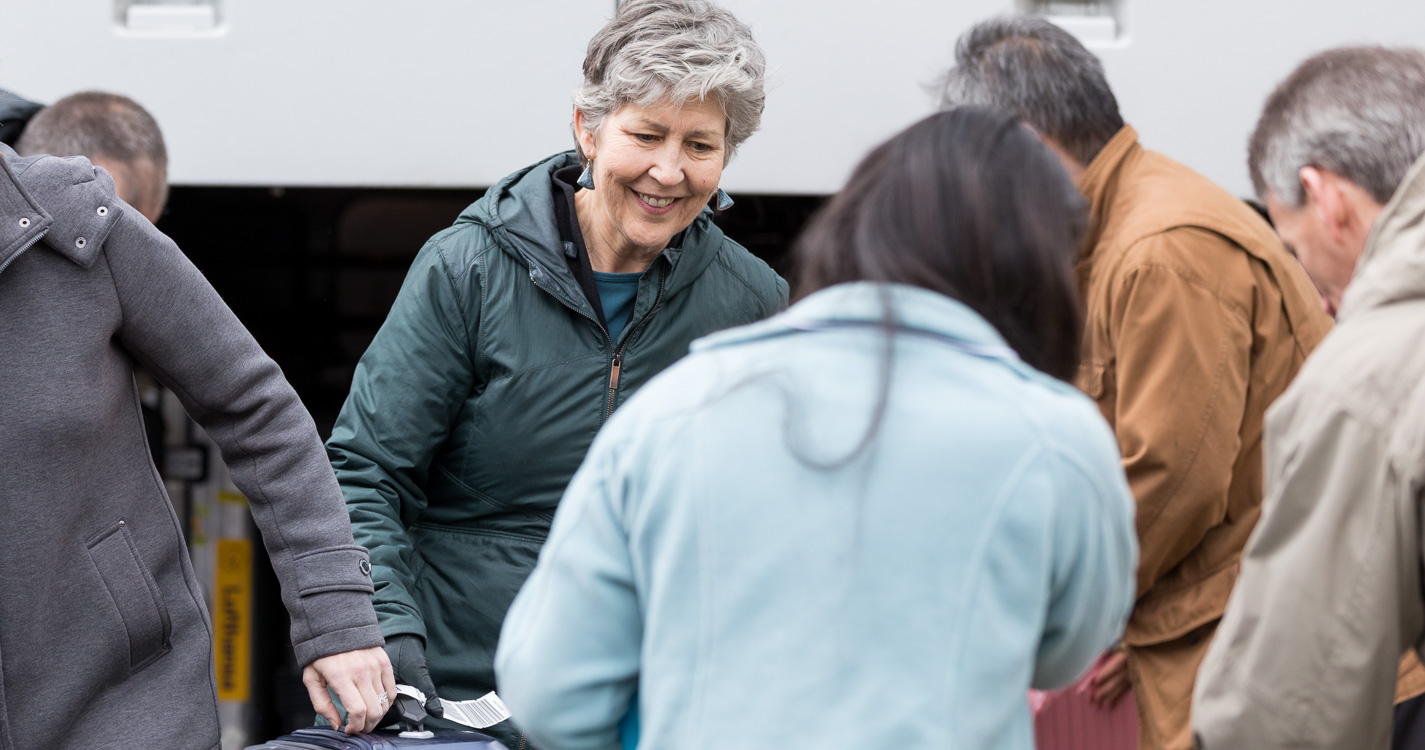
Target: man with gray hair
1196	319
115	133
1330	592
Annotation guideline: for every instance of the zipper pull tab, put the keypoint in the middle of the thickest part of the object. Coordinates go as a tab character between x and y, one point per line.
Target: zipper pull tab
613	376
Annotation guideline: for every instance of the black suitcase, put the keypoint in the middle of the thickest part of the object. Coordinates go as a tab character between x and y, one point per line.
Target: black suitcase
326	738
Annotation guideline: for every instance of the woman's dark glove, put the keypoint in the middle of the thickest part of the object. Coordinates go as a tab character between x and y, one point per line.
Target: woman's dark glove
408	659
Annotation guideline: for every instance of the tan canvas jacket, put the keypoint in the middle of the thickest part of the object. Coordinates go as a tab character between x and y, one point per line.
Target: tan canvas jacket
1197	319
1330	593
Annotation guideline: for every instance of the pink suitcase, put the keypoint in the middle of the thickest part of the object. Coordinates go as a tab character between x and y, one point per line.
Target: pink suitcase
1067	720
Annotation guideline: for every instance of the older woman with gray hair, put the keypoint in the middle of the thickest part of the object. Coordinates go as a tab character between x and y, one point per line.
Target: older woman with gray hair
522	327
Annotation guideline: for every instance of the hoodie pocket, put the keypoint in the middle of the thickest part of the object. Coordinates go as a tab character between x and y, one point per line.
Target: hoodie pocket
134	593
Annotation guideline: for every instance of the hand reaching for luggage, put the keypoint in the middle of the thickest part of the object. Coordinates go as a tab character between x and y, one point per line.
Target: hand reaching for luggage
361	679
1110	683
408	656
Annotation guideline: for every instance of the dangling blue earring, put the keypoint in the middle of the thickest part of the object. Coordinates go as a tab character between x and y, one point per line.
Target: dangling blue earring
724	201
586	180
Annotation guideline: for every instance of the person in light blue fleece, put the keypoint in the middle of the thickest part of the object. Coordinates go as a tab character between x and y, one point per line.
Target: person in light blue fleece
874	520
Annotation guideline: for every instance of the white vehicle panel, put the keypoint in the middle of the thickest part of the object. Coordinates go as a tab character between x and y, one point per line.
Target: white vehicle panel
324	92
458	93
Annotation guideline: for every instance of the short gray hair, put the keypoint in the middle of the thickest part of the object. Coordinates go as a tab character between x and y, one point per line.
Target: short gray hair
1356	111
678	50
1038	72
99	125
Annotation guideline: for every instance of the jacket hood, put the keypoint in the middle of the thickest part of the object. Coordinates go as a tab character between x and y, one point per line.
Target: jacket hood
67	201
519	212
1392	268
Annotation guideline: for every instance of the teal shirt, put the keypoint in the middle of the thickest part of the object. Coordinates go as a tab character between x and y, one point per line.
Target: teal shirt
982	545
617	292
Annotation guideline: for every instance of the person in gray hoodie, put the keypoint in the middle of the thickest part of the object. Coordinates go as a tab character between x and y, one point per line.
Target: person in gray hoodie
104	638
1330	591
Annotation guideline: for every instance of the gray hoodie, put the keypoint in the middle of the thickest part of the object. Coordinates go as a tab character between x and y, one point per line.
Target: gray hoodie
104	639
1330	592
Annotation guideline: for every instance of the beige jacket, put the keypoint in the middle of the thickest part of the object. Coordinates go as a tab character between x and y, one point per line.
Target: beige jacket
1330	592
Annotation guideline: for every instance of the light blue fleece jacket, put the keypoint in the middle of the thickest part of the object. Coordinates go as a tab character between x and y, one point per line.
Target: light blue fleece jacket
981	545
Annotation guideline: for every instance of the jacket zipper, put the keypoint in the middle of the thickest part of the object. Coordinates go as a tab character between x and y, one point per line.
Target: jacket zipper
616	362
23	248
613	383
618	355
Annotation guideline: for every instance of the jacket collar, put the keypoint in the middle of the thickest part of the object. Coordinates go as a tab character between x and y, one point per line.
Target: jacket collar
863	304
519	210
1100	181
1392	267
75	198
22	221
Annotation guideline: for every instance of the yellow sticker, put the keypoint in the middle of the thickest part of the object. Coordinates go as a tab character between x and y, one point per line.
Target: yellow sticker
231	498
232	619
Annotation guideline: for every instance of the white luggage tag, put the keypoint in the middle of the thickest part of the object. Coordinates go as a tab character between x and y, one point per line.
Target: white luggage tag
481	713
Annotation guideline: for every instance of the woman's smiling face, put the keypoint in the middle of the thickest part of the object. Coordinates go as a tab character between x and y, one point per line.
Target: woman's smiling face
654	169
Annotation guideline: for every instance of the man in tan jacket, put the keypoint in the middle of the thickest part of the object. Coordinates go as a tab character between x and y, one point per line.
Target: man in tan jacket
1196	320
1330	591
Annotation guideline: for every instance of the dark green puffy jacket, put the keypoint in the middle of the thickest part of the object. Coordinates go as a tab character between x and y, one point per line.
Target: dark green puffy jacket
480	395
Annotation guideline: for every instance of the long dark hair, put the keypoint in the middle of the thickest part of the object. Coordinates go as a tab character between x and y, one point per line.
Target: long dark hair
967	203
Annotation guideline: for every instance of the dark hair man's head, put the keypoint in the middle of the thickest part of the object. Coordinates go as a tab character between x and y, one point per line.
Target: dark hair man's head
970	204
1041	74
1333	144
115	133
